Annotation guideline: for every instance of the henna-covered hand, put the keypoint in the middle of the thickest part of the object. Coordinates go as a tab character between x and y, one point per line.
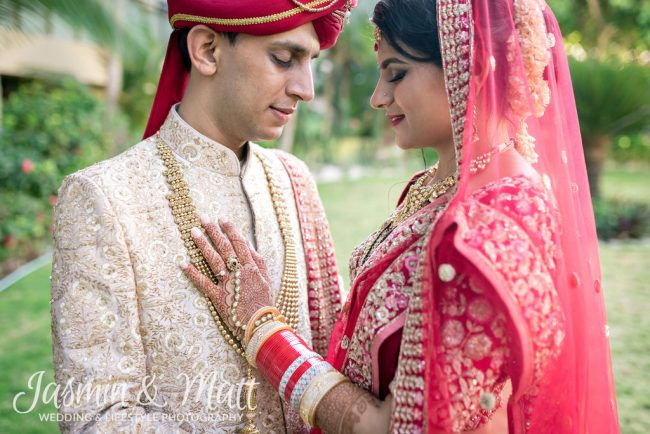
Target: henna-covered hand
349	409
223	244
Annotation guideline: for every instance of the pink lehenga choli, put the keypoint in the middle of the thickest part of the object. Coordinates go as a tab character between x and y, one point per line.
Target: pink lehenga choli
488	299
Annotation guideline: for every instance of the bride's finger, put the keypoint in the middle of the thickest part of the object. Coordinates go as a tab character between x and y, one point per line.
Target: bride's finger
261	264
217	296
212	257
220	241
238	243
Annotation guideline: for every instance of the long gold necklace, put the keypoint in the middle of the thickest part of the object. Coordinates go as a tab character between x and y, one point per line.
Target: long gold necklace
186	217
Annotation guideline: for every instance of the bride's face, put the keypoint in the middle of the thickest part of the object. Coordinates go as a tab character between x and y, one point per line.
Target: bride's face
414	98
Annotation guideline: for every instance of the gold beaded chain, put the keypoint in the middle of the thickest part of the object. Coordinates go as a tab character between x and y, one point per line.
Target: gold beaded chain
420	194
186	217
288	297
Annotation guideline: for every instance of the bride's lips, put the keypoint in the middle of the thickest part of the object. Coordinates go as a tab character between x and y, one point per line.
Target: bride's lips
282	113
395	119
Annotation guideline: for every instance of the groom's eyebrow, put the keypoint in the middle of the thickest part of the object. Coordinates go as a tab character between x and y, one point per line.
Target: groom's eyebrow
296	50
386	63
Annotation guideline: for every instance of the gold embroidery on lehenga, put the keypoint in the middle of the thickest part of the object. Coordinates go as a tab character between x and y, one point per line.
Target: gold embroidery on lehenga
389	296
524	255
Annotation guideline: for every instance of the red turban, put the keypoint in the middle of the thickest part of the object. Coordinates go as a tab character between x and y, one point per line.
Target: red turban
255	17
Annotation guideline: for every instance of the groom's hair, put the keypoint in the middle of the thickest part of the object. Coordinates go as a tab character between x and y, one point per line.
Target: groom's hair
410	27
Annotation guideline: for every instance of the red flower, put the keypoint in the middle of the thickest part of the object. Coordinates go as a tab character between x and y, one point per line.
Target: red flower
27	166
53	199
9	241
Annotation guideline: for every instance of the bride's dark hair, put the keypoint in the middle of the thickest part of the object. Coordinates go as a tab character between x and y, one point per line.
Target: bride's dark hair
411	27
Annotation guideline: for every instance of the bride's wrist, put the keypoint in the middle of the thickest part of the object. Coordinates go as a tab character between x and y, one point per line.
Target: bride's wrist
297	372
259	318
260	336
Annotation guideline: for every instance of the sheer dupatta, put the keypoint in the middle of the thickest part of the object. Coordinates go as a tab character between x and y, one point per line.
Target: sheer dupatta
509	88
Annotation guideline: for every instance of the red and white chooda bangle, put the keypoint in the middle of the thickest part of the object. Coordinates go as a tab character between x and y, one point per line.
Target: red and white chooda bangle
294	369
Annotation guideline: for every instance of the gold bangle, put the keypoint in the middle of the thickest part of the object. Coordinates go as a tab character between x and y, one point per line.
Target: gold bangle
265	319
260	336
250	327
315	392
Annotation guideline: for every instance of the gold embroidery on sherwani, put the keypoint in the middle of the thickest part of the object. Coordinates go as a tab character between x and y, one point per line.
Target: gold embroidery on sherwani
123	310
186	218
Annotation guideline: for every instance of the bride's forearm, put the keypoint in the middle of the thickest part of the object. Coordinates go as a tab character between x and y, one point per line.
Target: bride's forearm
348	409
324	397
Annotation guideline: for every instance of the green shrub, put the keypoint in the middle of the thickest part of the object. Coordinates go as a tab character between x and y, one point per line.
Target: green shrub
49	131
623	219
612	98
632	148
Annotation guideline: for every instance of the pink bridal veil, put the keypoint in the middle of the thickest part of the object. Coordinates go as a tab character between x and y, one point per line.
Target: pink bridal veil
509	87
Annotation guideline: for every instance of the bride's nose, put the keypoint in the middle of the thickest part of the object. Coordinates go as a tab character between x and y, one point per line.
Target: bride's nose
380	98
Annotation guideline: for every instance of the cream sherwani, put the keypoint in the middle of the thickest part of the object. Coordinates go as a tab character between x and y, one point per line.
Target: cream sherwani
123	313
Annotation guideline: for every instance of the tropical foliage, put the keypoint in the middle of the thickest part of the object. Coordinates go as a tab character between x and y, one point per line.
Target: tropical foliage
613	100
50	130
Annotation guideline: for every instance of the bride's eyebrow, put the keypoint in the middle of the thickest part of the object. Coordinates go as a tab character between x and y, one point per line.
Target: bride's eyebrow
386	63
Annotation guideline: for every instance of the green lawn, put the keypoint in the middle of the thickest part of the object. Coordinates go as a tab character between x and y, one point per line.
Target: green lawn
25	348
627	184
355	209
626	278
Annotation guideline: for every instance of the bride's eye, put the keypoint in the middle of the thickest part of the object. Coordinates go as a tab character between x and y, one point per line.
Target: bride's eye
397	76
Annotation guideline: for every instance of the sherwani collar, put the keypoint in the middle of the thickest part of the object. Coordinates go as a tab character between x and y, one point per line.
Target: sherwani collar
197	149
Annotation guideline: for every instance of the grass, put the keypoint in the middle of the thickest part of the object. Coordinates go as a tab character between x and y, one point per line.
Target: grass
626	279
626	184
355	209
25	348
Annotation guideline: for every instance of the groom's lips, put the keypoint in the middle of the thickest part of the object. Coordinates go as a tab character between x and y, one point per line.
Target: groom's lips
282	113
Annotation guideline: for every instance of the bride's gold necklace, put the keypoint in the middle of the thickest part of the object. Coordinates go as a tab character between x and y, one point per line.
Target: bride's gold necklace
186	217
418	196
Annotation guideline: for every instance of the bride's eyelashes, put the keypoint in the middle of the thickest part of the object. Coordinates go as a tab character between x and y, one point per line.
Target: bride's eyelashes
397	76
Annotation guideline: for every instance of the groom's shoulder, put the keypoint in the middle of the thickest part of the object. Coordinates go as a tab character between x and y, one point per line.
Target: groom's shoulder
135	160
294	165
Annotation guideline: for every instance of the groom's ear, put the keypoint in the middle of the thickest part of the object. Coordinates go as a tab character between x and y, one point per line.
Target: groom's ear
205	47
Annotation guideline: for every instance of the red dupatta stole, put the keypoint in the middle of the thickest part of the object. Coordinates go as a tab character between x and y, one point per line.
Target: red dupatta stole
323	293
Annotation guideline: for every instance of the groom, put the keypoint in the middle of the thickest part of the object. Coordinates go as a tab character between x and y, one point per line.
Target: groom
136	346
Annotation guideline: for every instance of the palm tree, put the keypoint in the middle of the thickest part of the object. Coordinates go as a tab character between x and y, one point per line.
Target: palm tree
91	16
612	99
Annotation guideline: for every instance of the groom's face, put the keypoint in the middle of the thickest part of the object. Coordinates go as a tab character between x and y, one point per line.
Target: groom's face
260	80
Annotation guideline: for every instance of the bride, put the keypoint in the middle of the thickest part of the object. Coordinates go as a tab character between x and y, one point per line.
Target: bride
477	305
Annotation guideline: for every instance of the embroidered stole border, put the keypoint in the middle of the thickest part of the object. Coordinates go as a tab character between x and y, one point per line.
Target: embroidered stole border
323	290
